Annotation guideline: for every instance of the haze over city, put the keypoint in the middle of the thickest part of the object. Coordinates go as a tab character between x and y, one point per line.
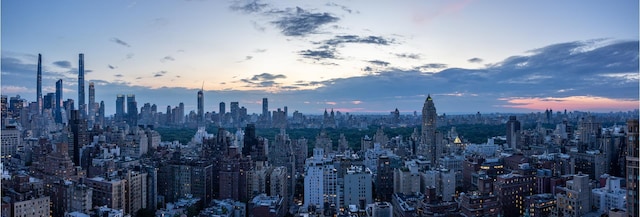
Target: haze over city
352	56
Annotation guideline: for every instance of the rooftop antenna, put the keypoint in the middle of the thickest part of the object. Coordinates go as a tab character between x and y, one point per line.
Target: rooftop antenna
202	88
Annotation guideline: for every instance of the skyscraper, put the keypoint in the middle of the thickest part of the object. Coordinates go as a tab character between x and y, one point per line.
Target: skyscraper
513	127
81	104
39	85
633	169
120	107
92	104
200	108
265	110
58	106
430	149
222	108
132	110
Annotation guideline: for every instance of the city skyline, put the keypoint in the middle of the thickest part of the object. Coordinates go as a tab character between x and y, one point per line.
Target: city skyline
350	56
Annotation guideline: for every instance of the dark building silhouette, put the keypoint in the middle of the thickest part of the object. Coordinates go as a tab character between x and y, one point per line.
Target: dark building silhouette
39	85
200	108
513	128
82	107
58	109
120	107
132	110
633	171
79	133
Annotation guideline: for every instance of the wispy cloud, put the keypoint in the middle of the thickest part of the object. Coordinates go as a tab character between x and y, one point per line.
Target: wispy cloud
475	60
167	58
252	6
301	22
408	56
111	67
159	74
63	64
120	42
319	54
379	62
343	39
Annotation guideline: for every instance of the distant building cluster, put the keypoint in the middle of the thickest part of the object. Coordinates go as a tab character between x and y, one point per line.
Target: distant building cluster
62	159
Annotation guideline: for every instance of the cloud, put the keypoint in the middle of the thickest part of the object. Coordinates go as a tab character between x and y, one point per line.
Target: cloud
252	6
344	8
319	54
111	67
430	67
260	50
379	62
159	74
343	39
301	22
129	56
120	42
475	60
118	75
267	76
408	56
63	64
167	58
257	26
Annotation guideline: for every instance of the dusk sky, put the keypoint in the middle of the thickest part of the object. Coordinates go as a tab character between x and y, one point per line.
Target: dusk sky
352	56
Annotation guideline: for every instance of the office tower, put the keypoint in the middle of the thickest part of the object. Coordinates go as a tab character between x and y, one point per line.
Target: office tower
5	108
265	109
513	127
222	108
384	178
589	130
81	104
633	172
200	108
180	115
430	149
120	107
58	111
48	101
235	113
80	135
132	110
100	116
39	85
92	104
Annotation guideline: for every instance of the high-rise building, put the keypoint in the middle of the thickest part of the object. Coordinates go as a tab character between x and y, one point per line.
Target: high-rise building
234	108
320	181
80	135
513	127
200	108
92	104
58	111
633	171
132	110
265	108
430	148
575	198
39	84
81	97
222	108
100	116
120	107
49	101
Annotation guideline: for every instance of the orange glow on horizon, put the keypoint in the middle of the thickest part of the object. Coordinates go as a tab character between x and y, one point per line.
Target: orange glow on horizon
590	103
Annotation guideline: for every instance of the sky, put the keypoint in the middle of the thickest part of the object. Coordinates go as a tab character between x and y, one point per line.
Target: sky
350	56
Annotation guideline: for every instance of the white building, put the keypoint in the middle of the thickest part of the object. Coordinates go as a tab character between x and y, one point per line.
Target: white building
443	180
320	181
406	179
380	209
357	186
611	196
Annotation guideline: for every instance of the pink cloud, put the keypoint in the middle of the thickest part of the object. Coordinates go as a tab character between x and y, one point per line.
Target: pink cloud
590	103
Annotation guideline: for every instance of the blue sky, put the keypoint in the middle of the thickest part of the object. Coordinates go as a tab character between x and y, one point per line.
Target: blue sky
353	56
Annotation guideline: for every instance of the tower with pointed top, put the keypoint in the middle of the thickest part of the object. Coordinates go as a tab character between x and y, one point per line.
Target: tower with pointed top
429	147
201	107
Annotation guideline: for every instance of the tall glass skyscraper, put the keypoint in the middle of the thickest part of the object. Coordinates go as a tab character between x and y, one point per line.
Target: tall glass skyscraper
58	106
200	108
